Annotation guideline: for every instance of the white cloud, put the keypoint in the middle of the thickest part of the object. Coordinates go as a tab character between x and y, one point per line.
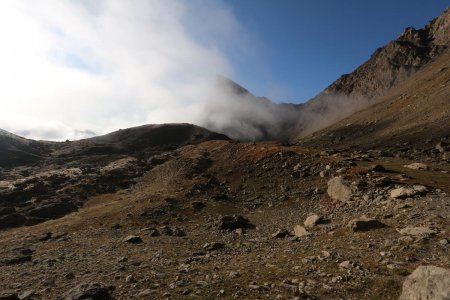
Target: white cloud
67	65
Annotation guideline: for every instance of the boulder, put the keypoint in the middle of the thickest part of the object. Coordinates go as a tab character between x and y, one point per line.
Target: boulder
95	291
338	190
314	220
300	231
403	193
364	224
420	189
427	282
233	222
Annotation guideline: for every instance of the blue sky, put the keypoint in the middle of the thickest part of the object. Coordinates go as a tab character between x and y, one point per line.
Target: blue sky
303	46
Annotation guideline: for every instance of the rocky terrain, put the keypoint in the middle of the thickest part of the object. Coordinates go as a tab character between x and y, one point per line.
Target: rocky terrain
244	220
358	210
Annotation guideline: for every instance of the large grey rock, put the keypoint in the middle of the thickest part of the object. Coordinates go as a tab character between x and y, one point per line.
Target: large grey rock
339	190
427	283
95	291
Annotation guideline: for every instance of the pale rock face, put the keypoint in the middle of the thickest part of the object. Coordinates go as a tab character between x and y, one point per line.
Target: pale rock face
427	282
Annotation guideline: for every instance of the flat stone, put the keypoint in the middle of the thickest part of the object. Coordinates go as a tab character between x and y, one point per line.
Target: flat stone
417	231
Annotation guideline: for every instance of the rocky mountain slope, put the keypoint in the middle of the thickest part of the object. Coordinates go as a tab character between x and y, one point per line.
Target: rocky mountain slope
416	111
65	175
16	150
258	118
387	67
